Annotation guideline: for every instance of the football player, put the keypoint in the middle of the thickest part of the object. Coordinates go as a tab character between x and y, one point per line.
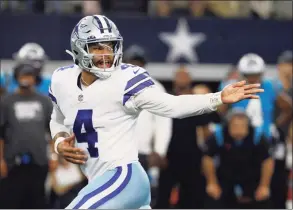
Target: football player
32	54
96	105
261	112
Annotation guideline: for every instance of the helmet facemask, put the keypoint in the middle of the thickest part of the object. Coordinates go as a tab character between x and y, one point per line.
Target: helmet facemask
99	57
101	60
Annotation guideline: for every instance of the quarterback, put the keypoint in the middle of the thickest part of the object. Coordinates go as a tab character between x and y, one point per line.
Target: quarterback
96	104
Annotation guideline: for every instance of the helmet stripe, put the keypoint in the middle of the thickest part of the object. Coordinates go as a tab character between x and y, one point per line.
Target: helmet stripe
108	24
99	23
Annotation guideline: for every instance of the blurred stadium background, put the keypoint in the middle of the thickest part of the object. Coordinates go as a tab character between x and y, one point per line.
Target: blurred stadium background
207	37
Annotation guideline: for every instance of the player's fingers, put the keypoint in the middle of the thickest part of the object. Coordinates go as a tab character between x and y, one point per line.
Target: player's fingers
70	138
72	160
250	96
73	150
251	86
253	91
215	195
239	84
74	156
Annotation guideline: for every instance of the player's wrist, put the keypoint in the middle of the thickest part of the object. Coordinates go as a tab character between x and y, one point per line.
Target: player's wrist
264	185
57	142
216	100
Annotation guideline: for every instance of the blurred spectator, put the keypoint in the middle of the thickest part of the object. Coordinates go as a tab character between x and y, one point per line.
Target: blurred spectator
183	155
283	9
203	132
285	71
233	75
91	7
240	175
289	165
33	54
261	112
25	117
279	183
290	134
281	174
152	146
200	8
34	6
262	9
125	7
227	9
2	91
221	9
167	8
66	181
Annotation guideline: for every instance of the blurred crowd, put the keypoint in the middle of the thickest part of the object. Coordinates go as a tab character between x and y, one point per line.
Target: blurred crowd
238	157
274	9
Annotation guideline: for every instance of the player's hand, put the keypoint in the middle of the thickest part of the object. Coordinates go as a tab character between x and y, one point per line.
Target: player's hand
164	163
239	91
3	168
214	190
70	153
262	193
155	160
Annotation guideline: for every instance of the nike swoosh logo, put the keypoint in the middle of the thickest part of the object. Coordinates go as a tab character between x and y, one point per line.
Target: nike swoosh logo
135	71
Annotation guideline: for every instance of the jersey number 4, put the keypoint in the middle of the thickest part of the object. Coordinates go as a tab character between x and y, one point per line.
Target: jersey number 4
84	119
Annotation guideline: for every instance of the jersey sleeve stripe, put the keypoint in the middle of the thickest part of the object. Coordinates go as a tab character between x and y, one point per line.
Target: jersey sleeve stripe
50	94
50	90
135	80
137	89
52	98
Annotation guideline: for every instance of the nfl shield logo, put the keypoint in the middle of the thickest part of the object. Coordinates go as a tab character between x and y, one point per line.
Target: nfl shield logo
80	98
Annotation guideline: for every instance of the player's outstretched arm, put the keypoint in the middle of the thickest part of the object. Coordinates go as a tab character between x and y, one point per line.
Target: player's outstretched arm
167	105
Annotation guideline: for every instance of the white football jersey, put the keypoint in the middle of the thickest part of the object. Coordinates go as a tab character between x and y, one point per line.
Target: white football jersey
100	116
103	115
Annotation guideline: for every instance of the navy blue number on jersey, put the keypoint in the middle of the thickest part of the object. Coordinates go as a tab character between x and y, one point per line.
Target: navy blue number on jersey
125	66
90	136
65	67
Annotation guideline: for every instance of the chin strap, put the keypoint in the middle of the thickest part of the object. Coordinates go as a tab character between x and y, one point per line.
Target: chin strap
72	55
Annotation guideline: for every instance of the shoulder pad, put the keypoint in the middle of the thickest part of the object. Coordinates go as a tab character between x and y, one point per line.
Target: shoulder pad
132	69
137	79
65	70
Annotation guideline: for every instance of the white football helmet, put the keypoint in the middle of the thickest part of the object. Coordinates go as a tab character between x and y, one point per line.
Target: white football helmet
251	64
31	53
95	29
